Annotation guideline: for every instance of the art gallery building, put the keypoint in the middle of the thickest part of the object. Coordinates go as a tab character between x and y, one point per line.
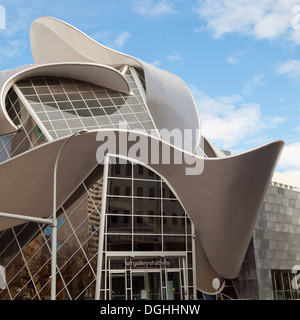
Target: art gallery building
84	132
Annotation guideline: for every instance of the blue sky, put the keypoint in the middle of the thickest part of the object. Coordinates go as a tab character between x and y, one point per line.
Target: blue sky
240	58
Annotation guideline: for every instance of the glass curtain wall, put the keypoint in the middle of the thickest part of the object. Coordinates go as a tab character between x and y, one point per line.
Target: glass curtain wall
147	241
65	105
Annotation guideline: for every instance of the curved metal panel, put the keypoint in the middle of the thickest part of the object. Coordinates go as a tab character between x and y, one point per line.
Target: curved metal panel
100	75
223	202
169	100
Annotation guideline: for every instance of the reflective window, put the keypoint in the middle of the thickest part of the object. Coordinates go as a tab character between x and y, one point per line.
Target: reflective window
29	134
67	105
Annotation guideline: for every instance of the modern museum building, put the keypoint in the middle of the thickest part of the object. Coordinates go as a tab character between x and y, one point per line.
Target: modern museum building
108	188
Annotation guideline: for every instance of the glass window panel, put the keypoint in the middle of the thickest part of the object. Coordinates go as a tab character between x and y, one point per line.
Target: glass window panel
88	122
60	97
52	81
147	125
27	91
65	105
167	192
119	187
74	96
69	114
57	89
110	110
74	123
82	86
88	95
37	107
174	225
101	94
141	172
59	124
33	98
146	189
125	109
93	103
147	225
103	120
143	116
42	90
172	208
147	206
132	100
37	81
136	126
118	101
50	106
63	133
105	102
129	117
119	243
116	118
137	108
119	205
97	112
84	113
120	170
54	116
70	88
119	224
174	243
24	83
147	243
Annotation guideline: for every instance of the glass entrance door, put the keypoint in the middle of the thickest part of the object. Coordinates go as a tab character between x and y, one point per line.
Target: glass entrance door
146	286
173	285
118	286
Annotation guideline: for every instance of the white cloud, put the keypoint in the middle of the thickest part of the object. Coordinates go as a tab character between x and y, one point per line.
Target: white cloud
233	60
174	56
290	68
153	9
109	39
121	39
262	19
256	81
229	121
289	162
12	49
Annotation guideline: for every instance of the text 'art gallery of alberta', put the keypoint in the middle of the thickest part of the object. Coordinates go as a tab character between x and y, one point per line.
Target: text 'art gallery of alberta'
108	189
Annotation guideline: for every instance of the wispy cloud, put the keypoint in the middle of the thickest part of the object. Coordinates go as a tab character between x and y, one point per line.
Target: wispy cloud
262	19
257	81
174	57
110	39
152	8
290	160
230	122
121	39
290	68
12	49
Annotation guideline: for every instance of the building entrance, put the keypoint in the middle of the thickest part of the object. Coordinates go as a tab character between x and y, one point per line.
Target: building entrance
159	283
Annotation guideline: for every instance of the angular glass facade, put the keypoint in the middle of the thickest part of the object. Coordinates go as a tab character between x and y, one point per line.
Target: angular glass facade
147	241
64	106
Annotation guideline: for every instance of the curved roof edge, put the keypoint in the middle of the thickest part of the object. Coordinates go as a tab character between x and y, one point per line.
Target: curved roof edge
98	74
229	191
169	99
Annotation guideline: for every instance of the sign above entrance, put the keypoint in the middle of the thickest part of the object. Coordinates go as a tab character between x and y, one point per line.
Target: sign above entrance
145	263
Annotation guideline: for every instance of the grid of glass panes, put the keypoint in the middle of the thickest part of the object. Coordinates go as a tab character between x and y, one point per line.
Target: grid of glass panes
143	214
65	105
29	134
282	285
25	251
